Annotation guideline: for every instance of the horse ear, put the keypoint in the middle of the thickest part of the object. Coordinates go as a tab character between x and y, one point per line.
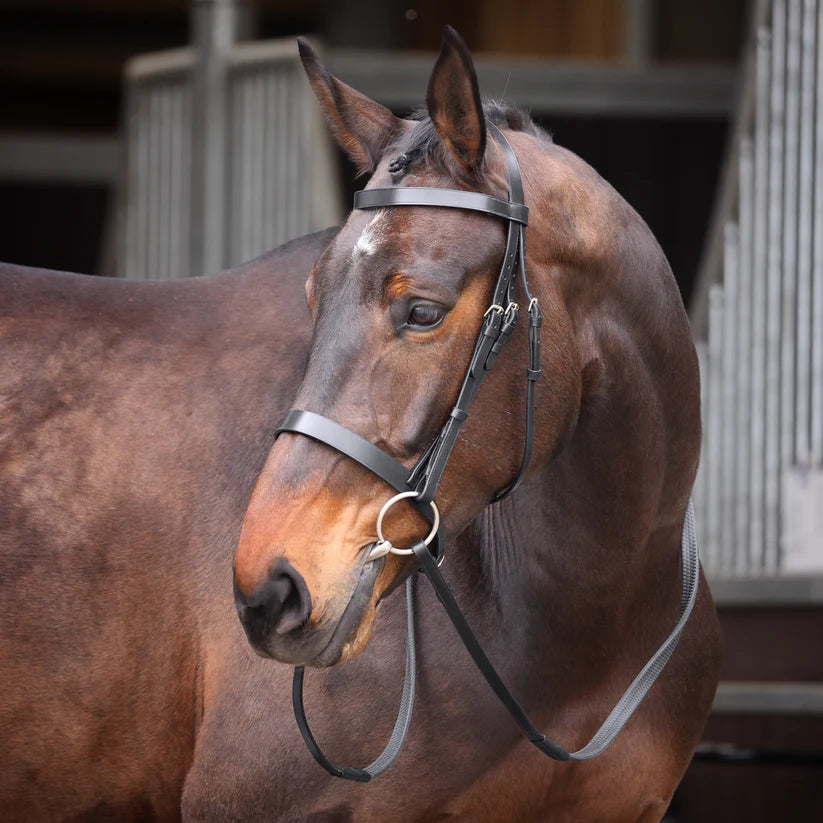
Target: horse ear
361	126
453	100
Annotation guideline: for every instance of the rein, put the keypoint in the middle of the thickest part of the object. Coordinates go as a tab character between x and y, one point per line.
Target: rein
420	485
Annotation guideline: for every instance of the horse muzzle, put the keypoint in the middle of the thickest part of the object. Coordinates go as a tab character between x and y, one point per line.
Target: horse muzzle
277	617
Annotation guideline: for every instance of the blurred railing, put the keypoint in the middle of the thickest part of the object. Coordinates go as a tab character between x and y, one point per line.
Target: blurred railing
226	151
156	220
760	487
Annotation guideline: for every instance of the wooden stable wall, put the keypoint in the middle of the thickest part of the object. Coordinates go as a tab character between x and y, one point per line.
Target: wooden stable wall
668	30
556	28
776	644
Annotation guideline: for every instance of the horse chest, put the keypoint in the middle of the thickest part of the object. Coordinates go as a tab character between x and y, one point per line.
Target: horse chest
250	758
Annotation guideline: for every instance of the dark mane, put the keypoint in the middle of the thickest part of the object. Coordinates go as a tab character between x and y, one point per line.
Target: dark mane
423	144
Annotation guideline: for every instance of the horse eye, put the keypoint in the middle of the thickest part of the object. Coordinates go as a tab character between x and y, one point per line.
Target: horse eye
424	315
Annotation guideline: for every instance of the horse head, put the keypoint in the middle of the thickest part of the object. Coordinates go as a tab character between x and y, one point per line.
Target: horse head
396	301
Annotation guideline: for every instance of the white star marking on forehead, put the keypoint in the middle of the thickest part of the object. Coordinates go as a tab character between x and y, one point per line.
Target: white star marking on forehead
372	235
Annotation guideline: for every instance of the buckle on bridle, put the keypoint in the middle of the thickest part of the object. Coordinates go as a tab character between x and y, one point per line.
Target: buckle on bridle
494	307
385	546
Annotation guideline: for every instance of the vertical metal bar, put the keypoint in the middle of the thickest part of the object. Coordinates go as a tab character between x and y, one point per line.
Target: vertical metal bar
282	153
240	160
804	236
166	170
236	126
700	490
215	27
175	207
161	202
790	227
160	187
758	296
744	346
250	142
160	190
178	169
145	240
171	182
266	132
248	167
258	180
136	262
638	27
773	309
126	220
187	126
714	553
272	140
239	153
726	437
274	144
145	185
817	270
156	184
240	149
267	187
298	155
293	226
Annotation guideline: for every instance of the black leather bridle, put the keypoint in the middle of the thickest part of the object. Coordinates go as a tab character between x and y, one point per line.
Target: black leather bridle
420	485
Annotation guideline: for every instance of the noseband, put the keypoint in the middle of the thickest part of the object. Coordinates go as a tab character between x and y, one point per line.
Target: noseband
420	485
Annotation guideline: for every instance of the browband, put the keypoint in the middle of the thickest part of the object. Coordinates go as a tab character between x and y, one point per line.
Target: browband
445	198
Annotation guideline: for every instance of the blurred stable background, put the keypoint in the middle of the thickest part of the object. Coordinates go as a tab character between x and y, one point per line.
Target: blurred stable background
159	138
641	89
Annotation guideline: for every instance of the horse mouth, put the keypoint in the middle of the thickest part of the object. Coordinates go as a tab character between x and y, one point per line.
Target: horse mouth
352	630
330	641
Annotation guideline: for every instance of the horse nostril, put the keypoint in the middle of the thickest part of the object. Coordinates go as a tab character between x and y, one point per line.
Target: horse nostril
282	603
294	598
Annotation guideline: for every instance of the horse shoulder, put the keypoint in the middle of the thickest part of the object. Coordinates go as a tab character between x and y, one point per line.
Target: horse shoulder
133	420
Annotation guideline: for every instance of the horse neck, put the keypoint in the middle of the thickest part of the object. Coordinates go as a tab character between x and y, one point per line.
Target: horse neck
552	571
601	520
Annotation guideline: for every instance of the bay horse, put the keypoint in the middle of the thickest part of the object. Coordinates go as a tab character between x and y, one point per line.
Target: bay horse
139	466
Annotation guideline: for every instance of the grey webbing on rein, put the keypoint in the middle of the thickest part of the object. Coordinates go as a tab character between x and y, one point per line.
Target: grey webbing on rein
620	714
401	725
603	737
404	714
